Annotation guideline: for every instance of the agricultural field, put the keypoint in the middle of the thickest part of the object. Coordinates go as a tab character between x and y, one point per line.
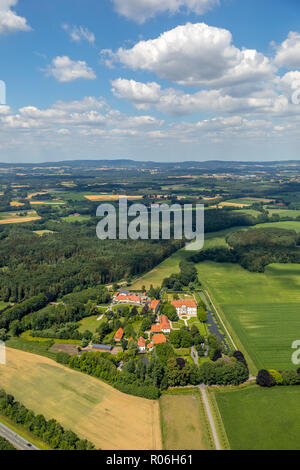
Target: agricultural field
289	225
91	408
285	213
47	203
157	275
257	418
110	197
171	265
74	218
43	232
260	309
183	422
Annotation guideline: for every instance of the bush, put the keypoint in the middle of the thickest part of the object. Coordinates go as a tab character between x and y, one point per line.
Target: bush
265	379
239	356
277	376
290	377
202	314
62	358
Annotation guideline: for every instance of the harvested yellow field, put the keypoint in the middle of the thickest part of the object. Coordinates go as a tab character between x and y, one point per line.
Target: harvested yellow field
233	204
46	203
88	406
31	195
111	197
16	204
18	220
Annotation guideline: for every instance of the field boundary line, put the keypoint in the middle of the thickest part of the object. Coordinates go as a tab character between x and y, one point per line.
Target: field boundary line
210	417
218	418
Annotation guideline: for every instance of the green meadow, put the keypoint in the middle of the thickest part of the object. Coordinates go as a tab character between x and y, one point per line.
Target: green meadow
261	310
258	418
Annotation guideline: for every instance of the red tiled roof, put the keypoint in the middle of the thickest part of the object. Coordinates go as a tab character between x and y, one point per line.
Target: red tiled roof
131	298
158	339
119	334
150	345
141	342
187	303
155	329
164	322
154	304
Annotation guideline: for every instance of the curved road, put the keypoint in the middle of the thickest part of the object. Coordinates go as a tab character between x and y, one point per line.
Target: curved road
15	439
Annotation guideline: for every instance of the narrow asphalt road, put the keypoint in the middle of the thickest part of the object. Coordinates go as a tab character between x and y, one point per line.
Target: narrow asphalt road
17	441
210	417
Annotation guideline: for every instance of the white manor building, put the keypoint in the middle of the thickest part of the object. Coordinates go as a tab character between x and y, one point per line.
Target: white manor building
185	307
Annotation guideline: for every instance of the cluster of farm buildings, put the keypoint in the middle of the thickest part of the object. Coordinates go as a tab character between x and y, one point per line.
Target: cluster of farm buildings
163	325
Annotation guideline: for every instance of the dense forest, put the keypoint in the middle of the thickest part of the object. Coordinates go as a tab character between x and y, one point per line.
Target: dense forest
56	264
255	249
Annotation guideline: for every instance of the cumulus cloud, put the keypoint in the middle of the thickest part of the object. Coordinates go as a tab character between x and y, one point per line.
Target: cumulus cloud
90	126
10	22
288	53
142	95
175	102
64	69
141	10
79	33
196	55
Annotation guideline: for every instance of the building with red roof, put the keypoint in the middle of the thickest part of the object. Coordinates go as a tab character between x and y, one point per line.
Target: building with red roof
155	329
165	325
154	305
119	335
142	344
185	307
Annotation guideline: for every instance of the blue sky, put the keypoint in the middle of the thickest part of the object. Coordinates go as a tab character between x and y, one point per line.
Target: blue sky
146	79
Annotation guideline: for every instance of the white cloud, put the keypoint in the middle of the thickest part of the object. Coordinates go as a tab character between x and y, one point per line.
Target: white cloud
175	102
66	70
196	55
141	10
288	53
10	22
142	95
79	33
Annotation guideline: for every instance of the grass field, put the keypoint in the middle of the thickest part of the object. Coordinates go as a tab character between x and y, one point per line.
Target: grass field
261	419
261	309
285	213
156	276
92	409
73	218
42	232
289	225
184	424
89	323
